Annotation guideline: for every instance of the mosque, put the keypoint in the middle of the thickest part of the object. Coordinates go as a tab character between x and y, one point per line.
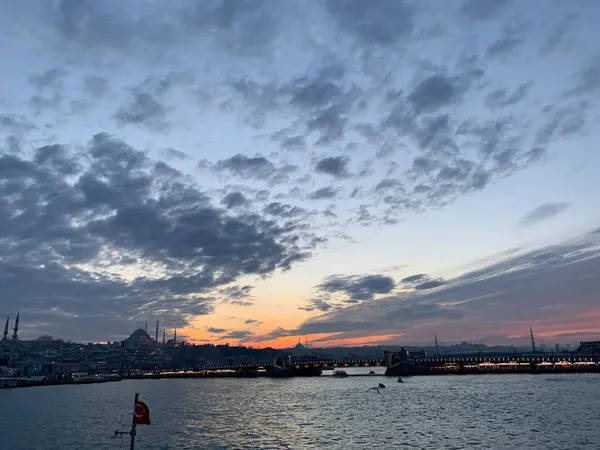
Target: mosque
15	335
141	338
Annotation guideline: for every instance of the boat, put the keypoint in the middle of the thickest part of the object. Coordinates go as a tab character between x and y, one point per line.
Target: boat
340	374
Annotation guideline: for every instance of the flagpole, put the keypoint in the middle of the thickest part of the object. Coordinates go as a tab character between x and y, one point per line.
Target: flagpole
133	424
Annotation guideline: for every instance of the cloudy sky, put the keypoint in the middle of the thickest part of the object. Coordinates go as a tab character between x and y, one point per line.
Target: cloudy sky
257	171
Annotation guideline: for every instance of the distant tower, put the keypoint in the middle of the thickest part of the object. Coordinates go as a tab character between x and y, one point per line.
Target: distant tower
437	347
16	328
533	349
5	335
156	338
175	337
146	327
164	335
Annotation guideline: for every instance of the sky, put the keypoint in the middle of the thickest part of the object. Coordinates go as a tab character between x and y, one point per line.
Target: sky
339	171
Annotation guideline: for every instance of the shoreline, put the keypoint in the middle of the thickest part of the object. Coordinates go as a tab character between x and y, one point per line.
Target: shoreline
10	383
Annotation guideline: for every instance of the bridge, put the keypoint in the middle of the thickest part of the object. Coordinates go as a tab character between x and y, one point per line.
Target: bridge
401	363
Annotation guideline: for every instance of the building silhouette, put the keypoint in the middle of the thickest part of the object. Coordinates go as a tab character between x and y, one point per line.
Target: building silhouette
5	334
15	335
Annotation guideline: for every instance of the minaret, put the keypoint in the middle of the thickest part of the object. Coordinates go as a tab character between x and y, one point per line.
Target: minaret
146	327
532	340
156	337
175	337
16	328
437	348
164	335
5	335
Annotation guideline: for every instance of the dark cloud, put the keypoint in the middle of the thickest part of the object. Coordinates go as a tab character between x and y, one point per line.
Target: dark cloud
317	304
543	212
324	193
142	109
415	279
247	167
234	200
432	93
252	322
173	154
216	330
537	284
242	335
15	124
336	166
238	292
358	288
72	219
422	282
384	22
505	44
502	97
430	284
278	209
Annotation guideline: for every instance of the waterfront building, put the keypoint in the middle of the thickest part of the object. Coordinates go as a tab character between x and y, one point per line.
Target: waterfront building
589	347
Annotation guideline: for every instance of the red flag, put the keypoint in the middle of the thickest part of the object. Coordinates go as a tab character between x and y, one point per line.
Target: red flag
141	414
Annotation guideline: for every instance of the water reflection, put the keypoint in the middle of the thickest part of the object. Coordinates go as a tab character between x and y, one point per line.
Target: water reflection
497	412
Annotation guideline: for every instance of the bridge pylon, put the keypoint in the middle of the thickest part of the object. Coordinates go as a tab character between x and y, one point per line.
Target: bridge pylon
398	363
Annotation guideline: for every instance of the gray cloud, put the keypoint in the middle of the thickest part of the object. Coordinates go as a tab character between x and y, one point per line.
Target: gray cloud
506	44
242	335
543	212
335	166
278	209
502	97
234	200
324	193
238	292
317	304
536	283
422	282
432	93
143	109
358	288
71	219
252	322
257	167
216	330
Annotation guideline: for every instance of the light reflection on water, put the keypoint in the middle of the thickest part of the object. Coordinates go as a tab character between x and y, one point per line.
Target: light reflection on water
451	412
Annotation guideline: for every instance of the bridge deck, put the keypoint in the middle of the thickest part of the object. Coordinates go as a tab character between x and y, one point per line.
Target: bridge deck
512	360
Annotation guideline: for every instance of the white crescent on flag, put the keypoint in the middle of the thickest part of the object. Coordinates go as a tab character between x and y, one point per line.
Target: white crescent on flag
138	411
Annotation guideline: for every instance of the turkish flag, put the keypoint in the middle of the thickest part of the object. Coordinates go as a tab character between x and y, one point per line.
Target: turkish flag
141	414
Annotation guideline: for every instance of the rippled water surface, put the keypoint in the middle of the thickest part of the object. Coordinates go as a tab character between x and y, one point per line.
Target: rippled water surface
452	412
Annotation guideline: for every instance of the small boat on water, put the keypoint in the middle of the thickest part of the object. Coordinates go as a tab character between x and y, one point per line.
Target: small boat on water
340	374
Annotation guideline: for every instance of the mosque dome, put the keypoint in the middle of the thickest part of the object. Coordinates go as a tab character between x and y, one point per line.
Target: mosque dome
139	335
